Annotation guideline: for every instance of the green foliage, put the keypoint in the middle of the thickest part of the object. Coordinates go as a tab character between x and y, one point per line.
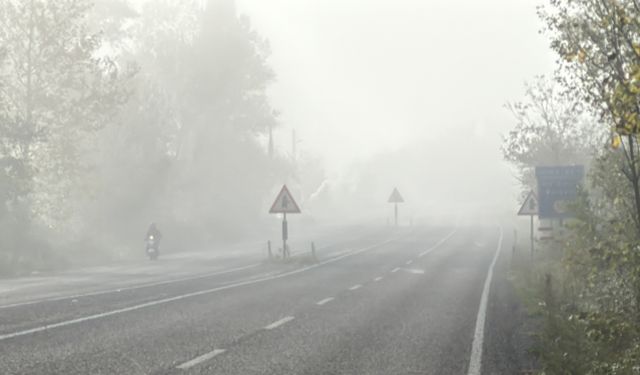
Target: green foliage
190	132
589	298
112	118
600	61
56	92
591	304
552	128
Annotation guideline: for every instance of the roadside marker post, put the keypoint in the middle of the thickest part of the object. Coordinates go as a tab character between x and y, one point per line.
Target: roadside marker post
284	204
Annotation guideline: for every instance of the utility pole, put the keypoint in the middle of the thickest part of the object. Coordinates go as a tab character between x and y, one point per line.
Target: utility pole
531	236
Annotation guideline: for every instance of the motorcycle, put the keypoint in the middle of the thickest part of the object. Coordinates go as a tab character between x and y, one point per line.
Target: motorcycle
152	248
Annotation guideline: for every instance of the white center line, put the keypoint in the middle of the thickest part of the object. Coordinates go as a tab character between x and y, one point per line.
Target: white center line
395	270
355	287
409	262
202	358
437	244
326	300
280	322
475	361
184	296
127	288
378	278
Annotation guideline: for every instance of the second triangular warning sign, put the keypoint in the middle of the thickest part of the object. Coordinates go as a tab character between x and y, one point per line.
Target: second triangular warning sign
284	203
395	196
530	205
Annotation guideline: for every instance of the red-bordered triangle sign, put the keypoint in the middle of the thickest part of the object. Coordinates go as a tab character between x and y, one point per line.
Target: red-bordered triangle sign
530	205
284	203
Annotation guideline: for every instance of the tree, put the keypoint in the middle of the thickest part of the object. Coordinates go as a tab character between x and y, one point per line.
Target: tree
191	127
552	128
597	42
600	62
57	92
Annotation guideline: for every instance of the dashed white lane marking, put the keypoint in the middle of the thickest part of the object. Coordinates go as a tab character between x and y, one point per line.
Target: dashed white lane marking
409	262
326	300
475	361
378	278
437	244
356	287
184	296
416	271
280	322
395	270
202	358
134	287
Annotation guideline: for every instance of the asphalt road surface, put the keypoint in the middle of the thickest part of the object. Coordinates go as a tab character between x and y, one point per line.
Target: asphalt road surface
377	301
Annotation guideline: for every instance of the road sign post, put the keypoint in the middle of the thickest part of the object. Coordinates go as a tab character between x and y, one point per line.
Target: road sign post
531	235
530	208
395	206
396	198
284	204
285	236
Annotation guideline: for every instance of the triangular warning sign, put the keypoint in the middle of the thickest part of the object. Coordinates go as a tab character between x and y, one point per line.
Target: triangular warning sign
395	196
284	203
530	205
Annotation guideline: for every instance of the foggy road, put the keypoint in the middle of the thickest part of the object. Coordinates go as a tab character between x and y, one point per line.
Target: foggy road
382	301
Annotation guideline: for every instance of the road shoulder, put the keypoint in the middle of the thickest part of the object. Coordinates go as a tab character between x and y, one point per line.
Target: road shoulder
510	328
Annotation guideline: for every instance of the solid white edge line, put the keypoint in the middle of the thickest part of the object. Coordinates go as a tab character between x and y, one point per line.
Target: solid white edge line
475	360
200	359
326	300
280	322
184	296
355	287
127	288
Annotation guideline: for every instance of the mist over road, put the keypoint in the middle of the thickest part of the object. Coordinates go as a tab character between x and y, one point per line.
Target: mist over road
377	301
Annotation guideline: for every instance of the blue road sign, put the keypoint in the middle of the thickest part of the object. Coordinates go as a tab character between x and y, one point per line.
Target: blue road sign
557	186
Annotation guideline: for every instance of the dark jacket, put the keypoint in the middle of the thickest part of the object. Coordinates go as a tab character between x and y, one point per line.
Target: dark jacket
153	231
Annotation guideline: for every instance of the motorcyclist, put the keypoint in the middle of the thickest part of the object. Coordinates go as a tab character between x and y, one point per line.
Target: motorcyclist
153	231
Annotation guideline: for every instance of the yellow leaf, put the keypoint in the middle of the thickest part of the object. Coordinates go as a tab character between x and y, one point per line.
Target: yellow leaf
616	141
582	55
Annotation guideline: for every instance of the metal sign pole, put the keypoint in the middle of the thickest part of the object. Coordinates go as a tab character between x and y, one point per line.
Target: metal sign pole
284	204
285	253
531	233
396	213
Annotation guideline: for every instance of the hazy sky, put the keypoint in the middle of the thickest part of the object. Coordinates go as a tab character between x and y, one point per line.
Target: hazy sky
361	77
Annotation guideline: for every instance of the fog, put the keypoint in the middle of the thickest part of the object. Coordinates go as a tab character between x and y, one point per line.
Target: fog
319	187
407	93
193	114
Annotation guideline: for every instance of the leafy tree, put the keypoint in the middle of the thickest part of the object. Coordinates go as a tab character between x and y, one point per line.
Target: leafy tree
597	305
597	41
191	128
226	108
552	128
57	91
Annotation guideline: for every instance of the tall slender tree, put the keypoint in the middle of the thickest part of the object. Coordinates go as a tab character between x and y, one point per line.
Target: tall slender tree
58	90
597	42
